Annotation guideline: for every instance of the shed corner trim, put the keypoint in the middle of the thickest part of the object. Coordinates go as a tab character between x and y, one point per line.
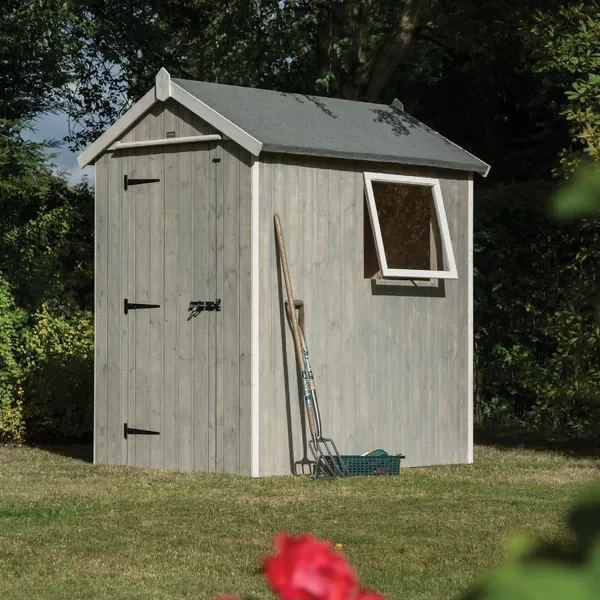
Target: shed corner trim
255	320
470	332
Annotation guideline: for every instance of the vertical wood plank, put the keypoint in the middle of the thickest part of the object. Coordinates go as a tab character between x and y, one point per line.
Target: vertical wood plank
231	313
347	439
212	291
201	324
306	270
363	330
130	201
185	291
320	309
141	130
201	127
124	293
289	410
290	200
170	432
335	403
245	312
185	121
142	317
156	316
440	426
114	311
219	335
267	311
101	313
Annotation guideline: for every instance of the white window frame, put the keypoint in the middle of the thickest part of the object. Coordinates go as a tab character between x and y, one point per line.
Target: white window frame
438	202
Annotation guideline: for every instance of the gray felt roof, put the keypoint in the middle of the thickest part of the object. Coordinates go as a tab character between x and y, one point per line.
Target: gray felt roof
301	124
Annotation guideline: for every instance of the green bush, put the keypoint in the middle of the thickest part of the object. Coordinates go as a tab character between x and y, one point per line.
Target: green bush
46	372
46	292
537	336
12	321
58	360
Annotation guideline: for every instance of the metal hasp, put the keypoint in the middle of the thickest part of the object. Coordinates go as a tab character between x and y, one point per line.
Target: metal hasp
127	181
127	306
133	431
197	306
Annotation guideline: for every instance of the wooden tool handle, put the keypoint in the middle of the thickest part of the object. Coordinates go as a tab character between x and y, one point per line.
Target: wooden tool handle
310	410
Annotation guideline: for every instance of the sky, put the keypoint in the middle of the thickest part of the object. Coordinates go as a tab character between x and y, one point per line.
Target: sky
56	127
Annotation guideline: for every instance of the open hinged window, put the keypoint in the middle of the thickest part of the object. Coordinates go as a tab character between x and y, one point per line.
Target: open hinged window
409	227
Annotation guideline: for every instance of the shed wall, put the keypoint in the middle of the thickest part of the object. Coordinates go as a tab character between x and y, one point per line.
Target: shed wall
390	361
202	408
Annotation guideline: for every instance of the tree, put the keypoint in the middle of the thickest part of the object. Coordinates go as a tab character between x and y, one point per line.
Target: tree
465	67
34	55
344	48
569	54
46	235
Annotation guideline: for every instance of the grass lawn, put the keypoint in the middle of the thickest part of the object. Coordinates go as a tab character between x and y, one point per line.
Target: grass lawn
72	531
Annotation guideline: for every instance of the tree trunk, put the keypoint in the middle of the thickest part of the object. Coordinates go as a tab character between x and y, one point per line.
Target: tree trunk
385	61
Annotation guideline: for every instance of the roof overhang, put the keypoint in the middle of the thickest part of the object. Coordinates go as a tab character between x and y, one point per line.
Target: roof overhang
164	89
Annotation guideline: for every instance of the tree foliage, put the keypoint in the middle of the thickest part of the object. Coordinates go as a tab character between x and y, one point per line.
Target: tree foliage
345	48
515	83
536	326
569	54
35	53
46	339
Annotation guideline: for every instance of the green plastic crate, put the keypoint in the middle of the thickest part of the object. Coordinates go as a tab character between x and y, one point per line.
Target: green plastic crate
373	465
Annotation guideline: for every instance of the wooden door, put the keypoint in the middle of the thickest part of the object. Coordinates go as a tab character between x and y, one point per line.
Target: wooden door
169	257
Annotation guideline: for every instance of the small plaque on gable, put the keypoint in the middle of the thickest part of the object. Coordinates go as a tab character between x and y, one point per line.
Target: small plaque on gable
170	134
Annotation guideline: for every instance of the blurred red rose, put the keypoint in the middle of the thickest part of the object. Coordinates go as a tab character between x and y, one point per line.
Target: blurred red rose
369	595
305	568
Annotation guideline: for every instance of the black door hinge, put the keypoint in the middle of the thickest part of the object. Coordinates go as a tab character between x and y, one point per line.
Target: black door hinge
127	181
133	431
127	306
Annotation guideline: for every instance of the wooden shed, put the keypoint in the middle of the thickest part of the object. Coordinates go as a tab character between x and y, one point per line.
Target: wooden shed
376	210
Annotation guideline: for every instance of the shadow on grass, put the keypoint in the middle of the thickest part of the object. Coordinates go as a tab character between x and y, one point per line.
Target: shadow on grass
500	438
78	451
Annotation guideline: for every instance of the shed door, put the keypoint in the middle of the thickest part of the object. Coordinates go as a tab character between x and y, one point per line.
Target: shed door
169	261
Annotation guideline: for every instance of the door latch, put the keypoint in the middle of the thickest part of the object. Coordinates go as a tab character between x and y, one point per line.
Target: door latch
198	306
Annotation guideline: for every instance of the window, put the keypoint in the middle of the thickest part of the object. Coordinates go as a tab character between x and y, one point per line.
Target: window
409	230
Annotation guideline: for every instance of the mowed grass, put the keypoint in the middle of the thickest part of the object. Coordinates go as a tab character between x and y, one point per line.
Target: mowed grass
71	530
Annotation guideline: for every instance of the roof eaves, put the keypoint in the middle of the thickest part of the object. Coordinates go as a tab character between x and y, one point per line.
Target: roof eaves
476	166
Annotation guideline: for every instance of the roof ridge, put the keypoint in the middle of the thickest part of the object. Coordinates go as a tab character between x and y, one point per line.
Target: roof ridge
306	95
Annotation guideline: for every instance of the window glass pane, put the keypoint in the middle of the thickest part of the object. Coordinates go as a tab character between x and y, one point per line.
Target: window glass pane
408	225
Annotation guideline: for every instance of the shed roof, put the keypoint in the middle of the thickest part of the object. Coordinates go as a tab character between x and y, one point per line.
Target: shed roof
268	121
330	127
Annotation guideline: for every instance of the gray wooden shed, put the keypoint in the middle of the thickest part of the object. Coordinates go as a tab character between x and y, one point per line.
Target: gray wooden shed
376	211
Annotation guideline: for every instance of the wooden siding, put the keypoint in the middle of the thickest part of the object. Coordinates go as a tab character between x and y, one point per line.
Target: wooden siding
390	361
184	238
165	117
